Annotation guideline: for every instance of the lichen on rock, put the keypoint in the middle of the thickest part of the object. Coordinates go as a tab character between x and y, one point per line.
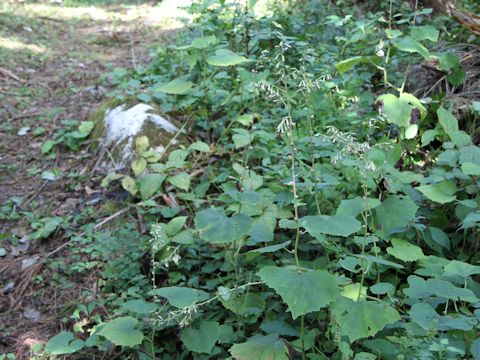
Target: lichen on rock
118	127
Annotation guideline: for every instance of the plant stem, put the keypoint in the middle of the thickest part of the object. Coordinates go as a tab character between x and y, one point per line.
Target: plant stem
302	334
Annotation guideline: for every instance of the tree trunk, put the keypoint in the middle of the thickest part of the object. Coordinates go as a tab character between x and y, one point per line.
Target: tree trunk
466	19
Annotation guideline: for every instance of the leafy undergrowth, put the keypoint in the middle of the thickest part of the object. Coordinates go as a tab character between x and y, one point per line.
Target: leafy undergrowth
326	208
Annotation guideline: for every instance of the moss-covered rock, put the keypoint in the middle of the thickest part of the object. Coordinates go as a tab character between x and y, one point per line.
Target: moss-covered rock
119	124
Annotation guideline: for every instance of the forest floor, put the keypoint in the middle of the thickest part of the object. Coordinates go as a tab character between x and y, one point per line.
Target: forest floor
52	59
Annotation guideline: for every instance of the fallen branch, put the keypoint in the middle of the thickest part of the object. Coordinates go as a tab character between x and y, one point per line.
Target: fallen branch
9	74
24	116
110	218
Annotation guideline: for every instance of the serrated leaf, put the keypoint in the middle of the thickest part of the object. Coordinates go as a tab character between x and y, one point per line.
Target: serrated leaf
260	347
303	292
225	57
180	180
150	184
271	248
217	228
457	77
420	288
181	297
405	251
361	319
448	61
201	339
63	343
122	331
177	86
443	192
337	225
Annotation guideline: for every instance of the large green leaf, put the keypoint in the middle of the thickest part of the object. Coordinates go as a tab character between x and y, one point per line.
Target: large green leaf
450	125
442	192
405	251
122	331
361	319
225	57
260	347
426	32
139	306
347	64
244	304
217	228
181	297
399	109
420	289
150	184
460	268
201	339
303	292
426	317
354	207
64	343
180	180
404	210
397	112
177	86
409	44
338	225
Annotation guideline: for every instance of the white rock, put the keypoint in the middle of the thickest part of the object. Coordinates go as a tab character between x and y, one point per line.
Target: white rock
122	126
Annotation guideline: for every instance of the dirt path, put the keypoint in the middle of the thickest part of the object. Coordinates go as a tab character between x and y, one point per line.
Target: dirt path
52	63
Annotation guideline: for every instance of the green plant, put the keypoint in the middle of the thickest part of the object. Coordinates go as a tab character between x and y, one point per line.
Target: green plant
323	212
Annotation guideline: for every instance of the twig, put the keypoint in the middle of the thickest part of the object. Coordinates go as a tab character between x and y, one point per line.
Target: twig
8	73
23	116
110	218
34	196
95	227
